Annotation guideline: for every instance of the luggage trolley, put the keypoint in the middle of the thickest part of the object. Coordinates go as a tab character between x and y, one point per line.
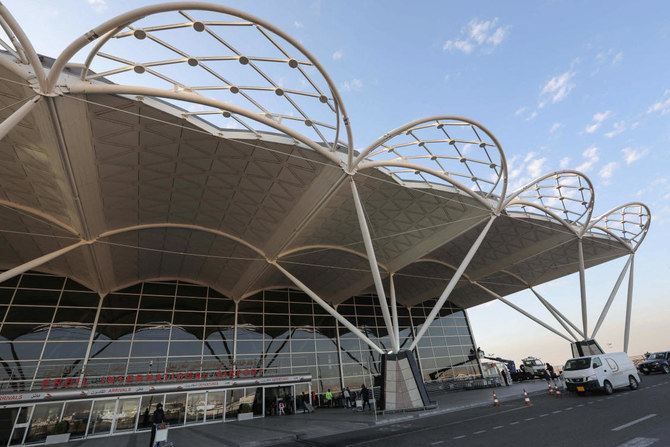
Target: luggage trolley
161	436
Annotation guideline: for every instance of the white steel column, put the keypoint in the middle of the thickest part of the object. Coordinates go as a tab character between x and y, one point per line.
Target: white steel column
38	261
518	309
374	268
629	304
15	118
557	312
394	313
556	315
346	323
582	286
612	295
237	306
452	283
90	341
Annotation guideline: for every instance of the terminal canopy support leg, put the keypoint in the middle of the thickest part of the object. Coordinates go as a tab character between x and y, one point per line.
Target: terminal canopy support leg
629	304
379	286
15	118
394	313
38	261
559	317
518	309
612	295
582	285
452	283
328	308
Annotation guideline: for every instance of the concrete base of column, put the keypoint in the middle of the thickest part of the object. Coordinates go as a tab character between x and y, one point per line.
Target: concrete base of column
403	386
586	347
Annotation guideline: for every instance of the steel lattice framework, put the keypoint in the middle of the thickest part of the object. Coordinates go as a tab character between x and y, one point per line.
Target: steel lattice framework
199	142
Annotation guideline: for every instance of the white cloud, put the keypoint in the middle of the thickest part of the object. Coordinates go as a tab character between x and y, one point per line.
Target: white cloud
617	58
519	111
352	86
98	5
607	171
523	170
555	127
557	88
609	56
447	77
591	155
565	161
297	24
617	128
598	119
338	55
486	34
531	116
536	167
632	155
662	106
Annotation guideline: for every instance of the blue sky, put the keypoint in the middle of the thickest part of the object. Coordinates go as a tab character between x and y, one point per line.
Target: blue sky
561	84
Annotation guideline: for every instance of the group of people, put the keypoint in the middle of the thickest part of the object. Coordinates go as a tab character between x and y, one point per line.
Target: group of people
349	398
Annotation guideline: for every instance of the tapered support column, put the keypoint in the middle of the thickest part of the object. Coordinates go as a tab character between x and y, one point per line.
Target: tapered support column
556	315
452	283
582	286
328	308
394	313
629	304
39	261
612	295
374	268
15	118
518	309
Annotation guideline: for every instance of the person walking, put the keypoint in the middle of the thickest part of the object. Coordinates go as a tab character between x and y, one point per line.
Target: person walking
329	399
347	397
158	418
365	396
305	402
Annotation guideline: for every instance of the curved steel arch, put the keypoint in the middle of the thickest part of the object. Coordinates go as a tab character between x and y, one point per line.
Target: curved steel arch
432	150
114	26
442	263
37	213
164	278
614	226
586	202
330	247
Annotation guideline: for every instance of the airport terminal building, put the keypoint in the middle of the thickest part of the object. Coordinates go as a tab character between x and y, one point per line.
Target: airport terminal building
184	219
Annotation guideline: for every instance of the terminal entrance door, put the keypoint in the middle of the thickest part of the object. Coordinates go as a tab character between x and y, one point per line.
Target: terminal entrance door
279	401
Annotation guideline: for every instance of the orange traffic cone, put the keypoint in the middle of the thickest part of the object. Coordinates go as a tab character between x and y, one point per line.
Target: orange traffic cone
496	403
558	392
551	389
526	399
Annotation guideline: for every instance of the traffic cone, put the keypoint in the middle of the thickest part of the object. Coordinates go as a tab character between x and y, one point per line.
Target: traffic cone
526	399
496	403
551	389
558	392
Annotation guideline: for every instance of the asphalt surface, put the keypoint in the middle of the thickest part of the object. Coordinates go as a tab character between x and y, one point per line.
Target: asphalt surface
627	418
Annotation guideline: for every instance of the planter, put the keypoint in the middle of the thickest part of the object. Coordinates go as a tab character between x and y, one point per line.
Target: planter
57	439
244	416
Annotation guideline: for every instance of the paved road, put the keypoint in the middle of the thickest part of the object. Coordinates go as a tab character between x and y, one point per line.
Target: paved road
626	419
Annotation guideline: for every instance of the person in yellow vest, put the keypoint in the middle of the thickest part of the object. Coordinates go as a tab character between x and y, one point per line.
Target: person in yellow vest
329	399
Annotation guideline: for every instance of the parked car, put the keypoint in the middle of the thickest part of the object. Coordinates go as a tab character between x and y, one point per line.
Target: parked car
603	372
656	362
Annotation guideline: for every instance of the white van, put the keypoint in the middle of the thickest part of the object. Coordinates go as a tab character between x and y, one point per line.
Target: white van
603	372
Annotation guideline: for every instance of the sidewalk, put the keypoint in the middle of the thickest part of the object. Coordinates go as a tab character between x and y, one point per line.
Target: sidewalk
323	422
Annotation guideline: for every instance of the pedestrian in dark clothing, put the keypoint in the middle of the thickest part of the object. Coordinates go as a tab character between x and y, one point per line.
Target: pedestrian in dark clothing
145	418
550	371
158	418
365	396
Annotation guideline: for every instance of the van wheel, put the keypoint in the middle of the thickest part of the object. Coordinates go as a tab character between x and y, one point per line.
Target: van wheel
608	387
632	383
666	369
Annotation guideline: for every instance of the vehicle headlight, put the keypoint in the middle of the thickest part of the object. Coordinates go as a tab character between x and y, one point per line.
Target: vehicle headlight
592	377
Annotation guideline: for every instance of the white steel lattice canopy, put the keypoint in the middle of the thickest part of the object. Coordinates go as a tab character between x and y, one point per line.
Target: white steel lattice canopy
198	142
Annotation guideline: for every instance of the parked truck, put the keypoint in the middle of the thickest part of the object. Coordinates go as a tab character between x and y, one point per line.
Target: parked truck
532	367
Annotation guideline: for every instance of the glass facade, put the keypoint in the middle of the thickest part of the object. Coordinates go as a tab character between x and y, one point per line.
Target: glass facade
53	328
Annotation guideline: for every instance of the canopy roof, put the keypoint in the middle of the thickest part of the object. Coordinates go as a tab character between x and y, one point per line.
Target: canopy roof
184	165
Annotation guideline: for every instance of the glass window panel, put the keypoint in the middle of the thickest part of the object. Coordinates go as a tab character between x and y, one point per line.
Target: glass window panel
346	310
36	297
234	398
195	408
45	418
250	319
249	332
327	358
106	349
117	316
102	417
191	290
27	332
42	282
135	288
121	300
147	408
189	318
33	314
20	351
157	302
278	344
276	320
58	368
192	304
71	284
153	288
149	349
181	348
248	306
146	366
153	316
114	332
11	282
65	350
77	315
304	345
220	319
126	414
79	299
326	344
17	436
187	333
304	359
76	414
300	320
175	408
220	305
218	347
272	307
184	364
152	333
215	405
250	346
6	295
